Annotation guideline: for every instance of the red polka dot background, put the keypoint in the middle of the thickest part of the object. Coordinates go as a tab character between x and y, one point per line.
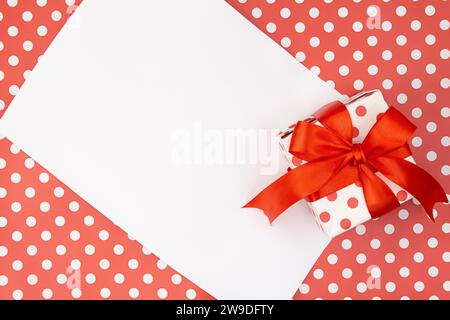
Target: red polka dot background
53	245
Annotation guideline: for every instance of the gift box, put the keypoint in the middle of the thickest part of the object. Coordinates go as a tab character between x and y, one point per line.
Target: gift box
346	208
352	163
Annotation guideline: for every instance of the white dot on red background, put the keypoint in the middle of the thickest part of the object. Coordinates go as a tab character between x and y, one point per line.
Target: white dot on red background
299	27
328	26
191	294
32	250
386	55
119	278
347	273
390	286
360	229
89	220
344	70
357	26
105	293
418	228
332	259
32	279
56	15
333	288
372	41
430	39
46	264
161	264
346	244
446	286
60	249
314	12
147	278
44	177
90	278
42	31
61	278
375	272
375	244
16	177
304	288
133	264
3	251
27	16
318	273
433	271
404	272
271	27
358	55
74	206
31	221
76	293
162	293
44	206
342	12
46	235
103	235
118	249
104	264
361	258
89	249
176	279
314	41
58	192
134	293
361	287
30	192
286	42
17	265
3	280
16	207
17	294
13	89
75	235
418	257
285	13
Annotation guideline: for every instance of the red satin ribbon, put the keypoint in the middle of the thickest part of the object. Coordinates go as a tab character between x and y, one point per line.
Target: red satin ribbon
333	162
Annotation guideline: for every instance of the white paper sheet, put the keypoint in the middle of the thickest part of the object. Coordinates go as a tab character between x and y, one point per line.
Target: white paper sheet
127	107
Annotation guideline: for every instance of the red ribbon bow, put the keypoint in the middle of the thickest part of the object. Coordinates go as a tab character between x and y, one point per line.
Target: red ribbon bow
333	162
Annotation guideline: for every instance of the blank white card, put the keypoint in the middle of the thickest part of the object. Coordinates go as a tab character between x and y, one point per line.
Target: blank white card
161	114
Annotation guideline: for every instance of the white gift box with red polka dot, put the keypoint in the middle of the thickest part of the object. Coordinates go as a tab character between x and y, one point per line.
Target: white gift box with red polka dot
346	208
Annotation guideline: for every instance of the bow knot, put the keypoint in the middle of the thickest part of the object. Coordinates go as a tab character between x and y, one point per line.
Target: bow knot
334	162
359	157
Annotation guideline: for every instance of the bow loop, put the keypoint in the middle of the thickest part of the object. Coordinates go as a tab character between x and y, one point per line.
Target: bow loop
392	131
335	117
310	142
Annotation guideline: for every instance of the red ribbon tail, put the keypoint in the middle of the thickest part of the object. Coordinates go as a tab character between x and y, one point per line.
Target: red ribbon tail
379	197
294	186
419	183
434	194
277	197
